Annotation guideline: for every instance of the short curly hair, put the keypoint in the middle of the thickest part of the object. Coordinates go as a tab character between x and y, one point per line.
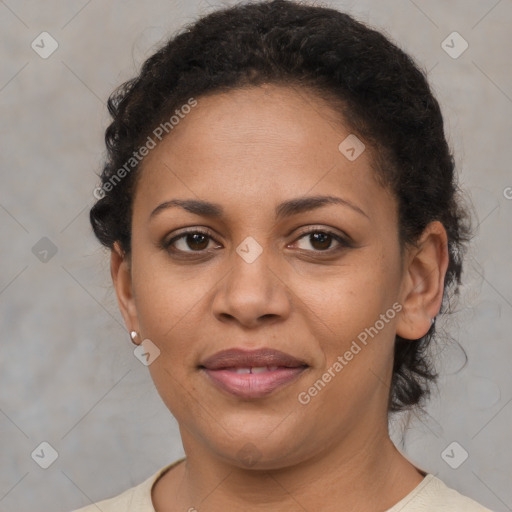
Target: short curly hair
380	92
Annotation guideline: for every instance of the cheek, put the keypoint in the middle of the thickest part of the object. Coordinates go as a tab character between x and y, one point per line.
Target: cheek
170	315
356	336
165	297
178	391
357	330
168	309
351	297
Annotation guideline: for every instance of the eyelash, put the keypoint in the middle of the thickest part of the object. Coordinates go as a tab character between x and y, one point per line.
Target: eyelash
344	243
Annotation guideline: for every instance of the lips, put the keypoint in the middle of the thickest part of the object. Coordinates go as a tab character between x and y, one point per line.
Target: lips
238	358
251	374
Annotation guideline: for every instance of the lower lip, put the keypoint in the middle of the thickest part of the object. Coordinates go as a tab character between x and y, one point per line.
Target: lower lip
253	385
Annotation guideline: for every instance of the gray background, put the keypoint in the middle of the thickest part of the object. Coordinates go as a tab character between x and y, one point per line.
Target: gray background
68	375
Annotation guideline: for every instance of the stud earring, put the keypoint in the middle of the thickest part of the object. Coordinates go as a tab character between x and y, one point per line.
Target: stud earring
133	335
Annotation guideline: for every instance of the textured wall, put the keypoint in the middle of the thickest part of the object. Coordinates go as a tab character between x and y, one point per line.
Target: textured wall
68	375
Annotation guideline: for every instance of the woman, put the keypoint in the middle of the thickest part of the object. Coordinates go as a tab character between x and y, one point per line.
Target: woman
283	217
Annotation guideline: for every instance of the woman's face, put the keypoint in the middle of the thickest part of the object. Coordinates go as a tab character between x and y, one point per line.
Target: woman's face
274	271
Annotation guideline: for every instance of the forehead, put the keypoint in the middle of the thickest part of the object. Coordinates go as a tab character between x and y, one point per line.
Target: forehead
259	143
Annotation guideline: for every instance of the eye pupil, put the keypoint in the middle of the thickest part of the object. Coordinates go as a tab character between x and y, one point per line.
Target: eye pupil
323	238
197	238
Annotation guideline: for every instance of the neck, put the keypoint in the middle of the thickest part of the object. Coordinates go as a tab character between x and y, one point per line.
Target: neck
363	471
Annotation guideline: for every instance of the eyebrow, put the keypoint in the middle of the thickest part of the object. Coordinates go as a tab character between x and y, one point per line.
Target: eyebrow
283	210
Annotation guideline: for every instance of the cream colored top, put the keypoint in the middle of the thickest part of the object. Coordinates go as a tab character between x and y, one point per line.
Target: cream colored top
430	495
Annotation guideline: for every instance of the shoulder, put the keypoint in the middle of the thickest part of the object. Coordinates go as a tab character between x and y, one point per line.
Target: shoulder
136	498
432	494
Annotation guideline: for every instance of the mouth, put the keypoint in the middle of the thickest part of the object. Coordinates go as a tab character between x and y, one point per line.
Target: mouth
252	374
254	382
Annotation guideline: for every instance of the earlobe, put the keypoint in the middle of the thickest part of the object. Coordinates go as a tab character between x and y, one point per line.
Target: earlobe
423	282
121	277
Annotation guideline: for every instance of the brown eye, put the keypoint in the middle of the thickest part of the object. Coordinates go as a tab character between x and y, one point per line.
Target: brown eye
196	241
319	241
190	241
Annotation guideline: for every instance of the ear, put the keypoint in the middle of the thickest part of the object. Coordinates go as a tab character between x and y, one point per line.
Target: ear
422	289
121	277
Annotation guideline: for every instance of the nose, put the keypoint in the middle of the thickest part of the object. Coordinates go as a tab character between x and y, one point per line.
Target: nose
252	293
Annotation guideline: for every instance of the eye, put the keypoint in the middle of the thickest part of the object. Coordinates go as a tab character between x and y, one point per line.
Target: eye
199	241
321	240
190	241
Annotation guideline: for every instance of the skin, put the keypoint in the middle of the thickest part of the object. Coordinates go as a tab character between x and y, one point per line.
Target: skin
249	150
